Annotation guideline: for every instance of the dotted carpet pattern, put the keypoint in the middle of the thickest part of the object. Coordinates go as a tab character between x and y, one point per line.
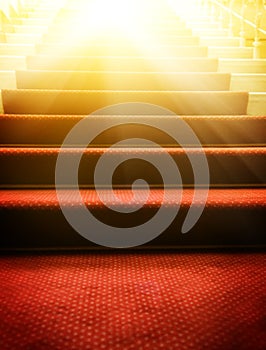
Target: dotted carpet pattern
140	300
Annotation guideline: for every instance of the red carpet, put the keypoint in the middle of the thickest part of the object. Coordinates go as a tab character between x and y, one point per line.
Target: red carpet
133	301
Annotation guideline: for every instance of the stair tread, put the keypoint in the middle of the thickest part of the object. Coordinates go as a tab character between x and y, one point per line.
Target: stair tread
47	198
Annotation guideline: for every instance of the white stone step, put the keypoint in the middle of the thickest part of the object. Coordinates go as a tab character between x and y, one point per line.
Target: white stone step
7	80
203	25
17	49
257	103
220	41
38	13
26	29
248	82
21	38
31	21
230	52
242	65
12	62
210	32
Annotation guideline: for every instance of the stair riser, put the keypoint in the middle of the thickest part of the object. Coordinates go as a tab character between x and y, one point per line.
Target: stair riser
86	102
13	62
122	81
180	38
8	80
218	131
257	103
248	82
129	64
112	50
242	66
230	52
17	49
220	41
158	39
165	28
230	167
22	38
23	29
31	21
232	226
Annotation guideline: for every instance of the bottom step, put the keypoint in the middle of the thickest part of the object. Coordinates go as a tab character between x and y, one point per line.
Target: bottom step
33	219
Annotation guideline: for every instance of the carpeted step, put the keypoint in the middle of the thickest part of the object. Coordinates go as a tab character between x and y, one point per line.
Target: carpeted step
242	65
91	80
36	167
85	102
126	63
32	130
117	50
33	218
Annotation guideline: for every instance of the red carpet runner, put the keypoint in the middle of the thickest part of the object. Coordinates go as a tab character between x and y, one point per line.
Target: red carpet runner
133	301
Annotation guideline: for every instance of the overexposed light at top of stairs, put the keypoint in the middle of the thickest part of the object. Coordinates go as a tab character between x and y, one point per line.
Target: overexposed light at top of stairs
186	8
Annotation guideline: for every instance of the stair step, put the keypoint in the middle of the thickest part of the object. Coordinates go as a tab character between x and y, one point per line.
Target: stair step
153	28
24	29
137	64
130	50
122	41
242	65
236	216
18	38
257	103
203	25
31	21
36	167
7	80
32	130
230	52
62	80
12	62
248	82
85	102
17	49
210	32
226	41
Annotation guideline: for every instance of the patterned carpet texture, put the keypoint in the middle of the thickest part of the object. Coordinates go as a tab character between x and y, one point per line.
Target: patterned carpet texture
133	301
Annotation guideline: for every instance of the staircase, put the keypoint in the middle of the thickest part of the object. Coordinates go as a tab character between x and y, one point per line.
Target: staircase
174	70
